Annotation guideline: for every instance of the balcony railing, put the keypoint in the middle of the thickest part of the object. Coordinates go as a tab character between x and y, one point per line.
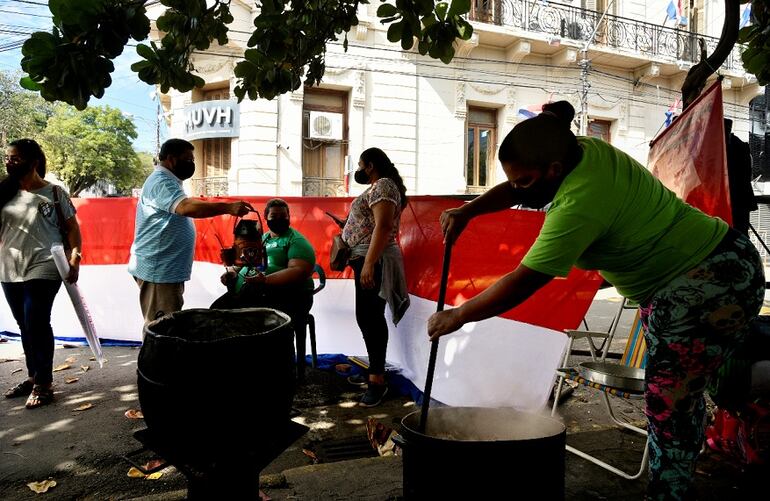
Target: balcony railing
214	186
566	21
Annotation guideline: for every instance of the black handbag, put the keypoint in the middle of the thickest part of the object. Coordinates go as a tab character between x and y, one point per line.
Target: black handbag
339	254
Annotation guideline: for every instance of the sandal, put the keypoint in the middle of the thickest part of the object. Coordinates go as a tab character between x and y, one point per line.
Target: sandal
20	390
39	397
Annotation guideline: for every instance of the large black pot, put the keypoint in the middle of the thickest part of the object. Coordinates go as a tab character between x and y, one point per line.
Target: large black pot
479	453
214	380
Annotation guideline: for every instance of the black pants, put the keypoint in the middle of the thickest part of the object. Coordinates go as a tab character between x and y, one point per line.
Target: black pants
370	316
293	301
31	304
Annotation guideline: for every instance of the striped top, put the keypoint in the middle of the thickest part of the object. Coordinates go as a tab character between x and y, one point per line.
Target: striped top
164	242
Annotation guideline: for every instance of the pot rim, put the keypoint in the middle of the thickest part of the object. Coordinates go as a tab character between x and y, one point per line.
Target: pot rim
147	328
423	436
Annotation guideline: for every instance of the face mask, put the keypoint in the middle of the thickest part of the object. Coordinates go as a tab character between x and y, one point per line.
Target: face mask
184	169
540	194
361	177
18	170
278	226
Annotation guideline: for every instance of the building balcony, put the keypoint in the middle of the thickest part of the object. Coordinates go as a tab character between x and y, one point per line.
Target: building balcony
618	41
213	186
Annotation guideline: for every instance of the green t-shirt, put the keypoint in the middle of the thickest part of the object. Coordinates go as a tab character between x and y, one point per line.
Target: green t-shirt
610	214
281	249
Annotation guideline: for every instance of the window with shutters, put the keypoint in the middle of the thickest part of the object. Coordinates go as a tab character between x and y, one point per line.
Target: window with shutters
211	177
323	160
600	129
480	146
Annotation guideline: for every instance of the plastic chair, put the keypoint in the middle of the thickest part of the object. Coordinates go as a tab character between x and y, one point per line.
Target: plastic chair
634	355
317	270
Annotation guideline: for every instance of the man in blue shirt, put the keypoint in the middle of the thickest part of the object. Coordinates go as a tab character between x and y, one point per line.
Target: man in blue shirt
164	238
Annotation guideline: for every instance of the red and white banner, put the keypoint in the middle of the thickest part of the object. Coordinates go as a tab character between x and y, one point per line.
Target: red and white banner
689	156
505	361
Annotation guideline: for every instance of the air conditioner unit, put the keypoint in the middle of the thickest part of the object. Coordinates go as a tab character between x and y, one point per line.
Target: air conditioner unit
325	125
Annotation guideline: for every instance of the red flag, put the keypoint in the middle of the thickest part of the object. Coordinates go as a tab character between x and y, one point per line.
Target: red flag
689	156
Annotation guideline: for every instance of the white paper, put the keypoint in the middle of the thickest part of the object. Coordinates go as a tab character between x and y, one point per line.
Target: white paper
57	251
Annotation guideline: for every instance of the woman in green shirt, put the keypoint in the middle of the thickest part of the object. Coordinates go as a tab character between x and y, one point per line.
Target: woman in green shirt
698	282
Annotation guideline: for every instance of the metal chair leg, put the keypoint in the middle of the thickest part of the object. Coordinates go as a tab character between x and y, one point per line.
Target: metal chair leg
311	329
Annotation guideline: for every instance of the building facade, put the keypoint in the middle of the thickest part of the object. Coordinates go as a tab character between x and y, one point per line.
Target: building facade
623	65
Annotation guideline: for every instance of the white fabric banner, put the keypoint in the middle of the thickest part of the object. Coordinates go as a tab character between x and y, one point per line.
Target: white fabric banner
495	363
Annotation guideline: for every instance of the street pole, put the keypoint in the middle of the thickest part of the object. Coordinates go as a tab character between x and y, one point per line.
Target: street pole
585	67
157	131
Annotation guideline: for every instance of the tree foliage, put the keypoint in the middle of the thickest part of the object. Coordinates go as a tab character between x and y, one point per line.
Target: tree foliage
22	113
91	146
756	57
287	46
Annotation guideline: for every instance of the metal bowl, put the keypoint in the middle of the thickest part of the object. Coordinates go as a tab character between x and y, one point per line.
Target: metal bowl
614	375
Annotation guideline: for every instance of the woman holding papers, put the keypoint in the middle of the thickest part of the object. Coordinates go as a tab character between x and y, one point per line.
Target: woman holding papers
34	215
698	282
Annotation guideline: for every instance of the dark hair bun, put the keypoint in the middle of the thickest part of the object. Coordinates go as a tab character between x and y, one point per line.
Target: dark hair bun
563	111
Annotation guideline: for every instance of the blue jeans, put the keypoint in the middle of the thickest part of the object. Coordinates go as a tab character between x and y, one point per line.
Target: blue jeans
31	304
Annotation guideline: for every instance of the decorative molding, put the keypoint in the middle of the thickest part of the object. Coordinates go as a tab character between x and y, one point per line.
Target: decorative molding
461	107
646	73
623	116
298	95
359	90
511	110
361	31
463	48
489	90
565	57
727	83
213	66
518	51
336	71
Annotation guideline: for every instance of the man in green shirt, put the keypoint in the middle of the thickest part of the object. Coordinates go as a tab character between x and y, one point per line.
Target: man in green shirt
286	284
698	282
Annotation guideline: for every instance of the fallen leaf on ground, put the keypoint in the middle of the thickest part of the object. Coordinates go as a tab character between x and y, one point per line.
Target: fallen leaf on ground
71	380
154	476
310	454
135	473
70	360
69	345
42	486
85	368
153	463
84	407
134	414
16	370
93	359
61	367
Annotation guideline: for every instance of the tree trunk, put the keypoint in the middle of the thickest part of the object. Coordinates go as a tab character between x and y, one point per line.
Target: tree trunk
696	78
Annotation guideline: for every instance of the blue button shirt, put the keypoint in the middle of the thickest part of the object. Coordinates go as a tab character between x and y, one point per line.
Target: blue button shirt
164	242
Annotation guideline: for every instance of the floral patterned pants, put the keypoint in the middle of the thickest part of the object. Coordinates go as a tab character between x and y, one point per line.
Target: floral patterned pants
692	325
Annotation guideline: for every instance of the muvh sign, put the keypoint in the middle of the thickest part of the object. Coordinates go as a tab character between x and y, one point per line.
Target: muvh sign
210	119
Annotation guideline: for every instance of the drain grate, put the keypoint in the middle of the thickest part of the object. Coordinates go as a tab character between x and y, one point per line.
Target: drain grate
330	451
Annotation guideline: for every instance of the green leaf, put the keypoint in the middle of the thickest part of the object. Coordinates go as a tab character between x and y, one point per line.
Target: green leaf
145	52
30	84
464	29
394	31
459	7
407	37
441	10
386	10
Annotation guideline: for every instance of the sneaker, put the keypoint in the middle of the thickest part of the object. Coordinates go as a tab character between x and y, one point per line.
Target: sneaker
374	395
358	380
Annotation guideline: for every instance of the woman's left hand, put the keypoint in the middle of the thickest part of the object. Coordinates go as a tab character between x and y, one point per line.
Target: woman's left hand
444	322
367	276
74	273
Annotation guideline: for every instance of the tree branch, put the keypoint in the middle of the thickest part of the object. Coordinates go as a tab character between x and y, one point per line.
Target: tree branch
696	78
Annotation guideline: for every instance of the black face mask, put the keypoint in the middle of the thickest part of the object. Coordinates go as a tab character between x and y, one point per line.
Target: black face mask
18	170
539	194
184	169
278	226
361	177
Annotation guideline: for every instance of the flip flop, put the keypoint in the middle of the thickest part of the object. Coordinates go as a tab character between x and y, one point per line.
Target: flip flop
39	397
22	389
